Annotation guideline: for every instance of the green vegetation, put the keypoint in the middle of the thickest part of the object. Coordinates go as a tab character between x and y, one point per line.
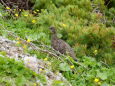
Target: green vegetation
86	31
15	73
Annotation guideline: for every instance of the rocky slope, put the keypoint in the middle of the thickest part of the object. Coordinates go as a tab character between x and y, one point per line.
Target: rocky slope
37	65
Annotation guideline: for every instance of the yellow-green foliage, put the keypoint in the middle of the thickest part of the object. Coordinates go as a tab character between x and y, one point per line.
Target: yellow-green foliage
76	23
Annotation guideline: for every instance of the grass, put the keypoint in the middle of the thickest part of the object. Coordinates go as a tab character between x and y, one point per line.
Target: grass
76	24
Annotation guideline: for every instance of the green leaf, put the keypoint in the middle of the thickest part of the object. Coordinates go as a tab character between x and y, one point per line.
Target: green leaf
64	67
20	80
103	76
57	83
105	84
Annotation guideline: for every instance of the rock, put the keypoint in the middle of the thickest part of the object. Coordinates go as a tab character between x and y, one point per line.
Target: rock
30	61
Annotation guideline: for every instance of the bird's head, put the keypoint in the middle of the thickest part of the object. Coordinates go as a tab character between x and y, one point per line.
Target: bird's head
53	30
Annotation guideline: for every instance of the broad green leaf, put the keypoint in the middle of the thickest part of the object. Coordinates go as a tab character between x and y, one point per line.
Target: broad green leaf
64	67
103	76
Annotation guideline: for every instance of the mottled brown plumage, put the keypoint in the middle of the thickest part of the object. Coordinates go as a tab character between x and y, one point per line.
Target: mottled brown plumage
60	45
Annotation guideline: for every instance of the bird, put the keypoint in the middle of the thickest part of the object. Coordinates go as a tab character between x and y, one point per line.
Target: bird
60	45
